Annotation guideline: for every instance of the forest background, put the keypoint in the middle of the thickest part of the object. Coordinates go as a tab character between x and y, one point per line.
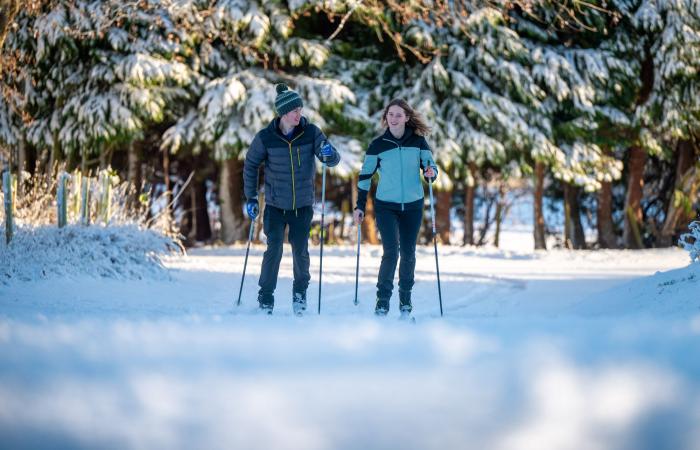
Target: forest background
588	110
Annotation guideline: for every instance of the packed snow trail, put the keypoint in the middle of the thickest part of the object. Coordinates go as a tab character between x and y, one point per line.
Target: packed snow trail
536	350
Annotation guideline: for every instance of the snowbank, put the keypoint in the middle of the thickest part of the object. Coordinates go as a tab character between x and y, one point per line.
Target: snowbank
691	241
173	363
119	252
675	293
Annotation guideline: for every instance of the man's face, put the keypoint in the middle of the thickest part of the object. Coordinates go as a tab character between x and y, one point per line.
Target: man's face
292	118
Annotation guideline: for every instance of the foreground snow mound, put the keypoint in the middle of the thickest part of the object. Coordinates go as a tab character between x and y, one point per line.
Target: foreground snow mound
120	252
671	293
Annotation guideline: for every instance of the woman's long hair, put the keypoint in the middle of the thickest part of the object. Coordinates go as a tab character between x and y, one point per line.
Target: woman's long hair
415	120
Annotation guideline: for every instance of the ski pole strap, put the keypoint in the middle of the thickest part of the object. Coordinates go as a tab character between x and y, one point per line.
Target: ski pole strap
432	208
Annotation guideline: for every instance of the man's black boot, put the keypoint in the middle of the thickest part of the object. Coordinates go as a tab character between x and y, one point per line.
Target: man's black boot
267	302
382	308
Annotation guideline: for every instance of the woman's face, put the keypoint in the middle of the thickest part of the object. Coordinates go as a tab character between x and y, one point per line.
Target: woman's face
396	118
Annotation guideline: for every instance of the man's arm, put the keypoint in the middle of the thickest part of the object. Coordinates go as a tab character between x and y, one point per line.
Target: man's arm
257	153
319	140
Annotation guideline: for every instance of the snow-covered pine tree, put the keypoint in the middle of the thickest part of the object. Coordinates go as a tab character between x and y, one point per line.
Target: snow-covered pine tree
236	42
440	60
96	76
8	11
587	83
660	42
477	88
490	110
670	113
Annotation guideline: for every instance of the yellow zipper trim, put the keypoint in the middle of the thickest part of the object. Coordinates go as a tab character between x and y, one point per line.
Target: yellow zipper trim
291	163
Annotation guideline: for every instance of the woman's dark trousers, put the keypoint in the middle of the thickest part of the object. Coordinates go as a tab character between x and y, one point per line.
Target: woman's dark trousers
399	233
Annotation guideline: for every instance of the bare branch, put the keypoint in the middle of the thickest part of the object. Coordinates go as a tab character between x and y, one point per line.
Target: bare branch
342	22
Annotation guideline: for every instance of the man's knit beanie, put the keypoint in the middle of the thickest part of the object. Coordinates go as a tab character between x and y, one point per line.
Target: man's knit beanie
286	100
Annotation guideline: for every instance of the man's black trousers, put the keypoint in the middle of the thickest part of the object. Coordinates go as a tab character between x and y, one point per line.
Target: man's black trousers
275	221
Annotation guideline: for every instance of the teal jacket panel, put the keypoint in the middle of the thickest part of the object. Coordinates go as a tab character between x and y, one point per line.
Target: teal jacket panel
399	163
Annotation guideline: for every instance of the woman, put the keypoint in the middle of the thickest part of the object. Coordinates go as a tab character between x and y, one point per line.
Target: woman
399	155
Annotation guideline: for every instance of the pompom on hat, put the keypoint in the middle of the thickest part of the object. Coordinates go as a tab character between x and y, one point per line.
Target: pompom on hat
286	100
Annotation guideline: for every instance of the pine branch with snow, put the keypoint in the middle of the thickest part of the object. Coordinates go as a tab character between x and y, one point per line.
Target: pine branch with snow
691	241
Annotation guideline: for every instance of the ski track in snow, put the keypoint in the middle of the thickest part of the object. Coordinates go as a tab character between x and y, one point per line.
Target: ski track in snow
565	350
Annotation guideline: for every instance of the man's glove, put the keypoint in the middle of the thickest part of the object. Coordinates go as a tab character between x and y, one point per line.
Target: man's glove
251	208
326	150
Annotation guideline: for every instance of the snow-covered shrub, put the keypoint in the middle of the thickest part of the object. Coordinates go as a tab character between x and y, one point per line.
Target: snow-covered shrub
119	252
36	205
691	241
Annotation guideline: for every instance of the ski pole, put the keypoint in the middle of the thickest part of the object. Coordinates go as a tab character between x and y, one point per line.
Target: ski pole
437	266
245	263
323	213
357	266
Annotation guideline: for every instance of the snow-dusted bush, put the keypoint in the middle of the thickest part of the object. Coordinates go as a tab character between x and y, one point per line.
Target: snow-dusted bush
120	252
691	241
108	202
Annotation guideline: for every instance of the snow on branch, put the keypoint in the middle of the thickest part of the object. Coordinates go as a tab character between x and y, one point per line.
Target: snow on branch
691	241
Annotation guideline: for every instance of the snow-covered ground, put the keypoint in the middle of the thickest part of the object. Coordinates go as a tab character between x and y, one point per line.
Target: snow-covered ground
536	350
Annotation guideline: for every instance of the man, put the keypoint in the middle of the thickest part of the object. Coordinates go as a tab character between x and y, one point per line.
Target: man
287	148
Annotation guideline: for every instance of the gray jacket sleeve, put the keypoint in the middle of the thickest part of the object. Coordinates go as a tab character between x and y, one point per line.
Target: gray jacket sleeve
257	153
319	138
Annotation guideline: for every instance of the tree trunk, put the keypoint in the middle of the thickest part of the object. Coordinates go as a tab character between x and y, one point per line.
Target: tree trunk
103	157
168	190
230	193
134	175
606	230
55	155
678	213
202	227
21	165
443	202
83	163
631	235
71	160
575	239
187	219
259	223
261	205
185	224
469	191
489	201
500	212
353	200
369	226
539	229
42	161
345	210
